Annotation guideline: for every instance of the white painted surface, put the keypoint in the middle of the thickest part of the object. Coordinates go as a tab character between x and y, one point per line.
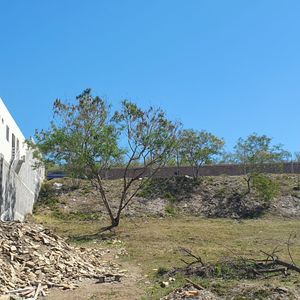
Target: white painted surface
20	182
19	190
6	142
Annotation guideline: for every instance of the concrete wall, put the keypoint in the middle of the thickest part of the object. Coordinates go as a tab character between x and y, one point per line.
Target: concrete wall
10	135
19	187
20	182
209	170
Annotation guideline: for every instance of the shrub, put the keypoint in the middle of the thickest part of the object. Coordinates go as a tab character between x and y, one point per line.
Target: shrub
170	209
266	187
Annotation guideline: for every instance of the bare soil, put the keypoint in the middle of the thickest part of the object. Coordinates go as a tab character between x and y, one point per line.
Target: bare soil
127	289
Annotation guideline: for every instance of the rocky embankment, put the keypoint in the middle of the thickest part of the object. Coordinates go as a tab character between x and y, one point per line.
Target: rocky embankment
222	196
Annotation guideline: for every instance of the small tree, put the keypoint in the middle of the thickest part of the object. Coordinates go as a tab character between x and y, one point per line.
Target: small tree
255	153
198	148
174	159
150	138
85	139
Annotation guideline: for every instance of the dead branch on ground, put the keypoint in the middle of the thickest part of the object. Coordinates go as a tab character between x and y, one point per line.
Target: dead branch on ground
239	266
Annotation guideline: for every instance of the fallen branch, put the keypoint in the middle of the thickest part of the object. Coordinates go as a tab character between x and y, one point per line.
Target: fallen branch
188	252
195	285
283	270
282	263
240	267
287	265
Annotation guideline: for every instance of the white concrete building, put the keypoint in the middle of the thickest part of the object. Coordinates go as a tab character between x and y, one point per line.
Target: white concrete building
12	141
19	181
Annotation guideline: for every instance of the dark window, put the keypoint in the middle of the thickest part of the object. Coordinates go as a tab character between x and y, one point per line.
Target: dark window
7	133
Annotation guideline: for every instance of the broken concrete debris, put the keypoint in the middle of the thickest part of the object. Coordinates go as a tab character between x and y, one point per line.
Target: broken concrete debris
189	292
33	259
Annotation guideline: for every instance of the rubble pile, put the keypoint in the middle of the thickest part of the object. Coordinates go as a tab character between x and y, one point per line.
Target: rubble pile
33	259
189	292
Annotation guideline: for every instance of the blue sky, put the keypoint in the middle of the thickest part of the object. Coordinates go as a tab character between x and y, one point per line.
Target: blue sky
230	67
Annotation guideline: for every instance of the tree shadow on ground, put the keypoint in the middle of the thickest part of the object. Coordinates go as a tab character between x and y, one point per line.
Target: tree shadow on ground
99	236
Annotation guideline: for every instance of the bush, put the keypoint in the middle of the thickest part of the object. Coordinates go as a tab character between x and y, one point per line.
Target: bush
46	190
146	190
266	187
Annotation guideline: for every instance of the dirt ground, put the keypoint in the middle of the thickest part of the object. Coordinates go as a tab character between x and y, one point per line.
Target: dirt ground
127	289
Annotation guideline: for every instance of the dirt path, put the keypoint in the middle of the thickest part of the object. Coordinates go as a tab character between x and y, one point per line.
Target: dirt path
127	289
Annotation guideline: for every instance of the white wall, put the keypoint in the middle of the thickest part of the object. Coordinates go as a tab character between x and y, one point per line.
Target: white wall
20	182
19	188
6	145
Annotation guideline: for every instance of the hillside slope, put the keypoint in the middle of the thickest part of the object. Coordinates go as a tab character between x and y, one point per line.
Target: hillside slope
222	196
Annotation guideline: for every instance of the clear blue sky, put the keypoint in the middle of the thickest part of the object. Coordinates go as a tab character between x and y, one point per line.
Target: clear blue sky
230	67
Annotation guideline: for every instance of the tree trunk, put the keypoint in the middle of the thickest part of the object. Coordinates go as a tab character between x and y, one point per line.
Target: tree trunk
114	222
177	163
248	180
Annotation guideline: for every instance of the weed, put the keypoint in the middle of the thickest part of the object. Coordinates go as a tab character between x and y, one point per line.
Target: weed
170	209
170	197
161	271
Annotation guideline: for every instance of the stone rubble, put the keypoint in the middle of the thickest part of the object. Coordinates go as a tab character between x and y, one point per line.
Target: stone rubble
189	292
33	259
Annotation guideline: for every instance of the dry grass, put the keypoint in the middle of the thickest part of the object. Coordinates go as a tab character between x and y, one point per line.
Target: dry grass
210	237
153	243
